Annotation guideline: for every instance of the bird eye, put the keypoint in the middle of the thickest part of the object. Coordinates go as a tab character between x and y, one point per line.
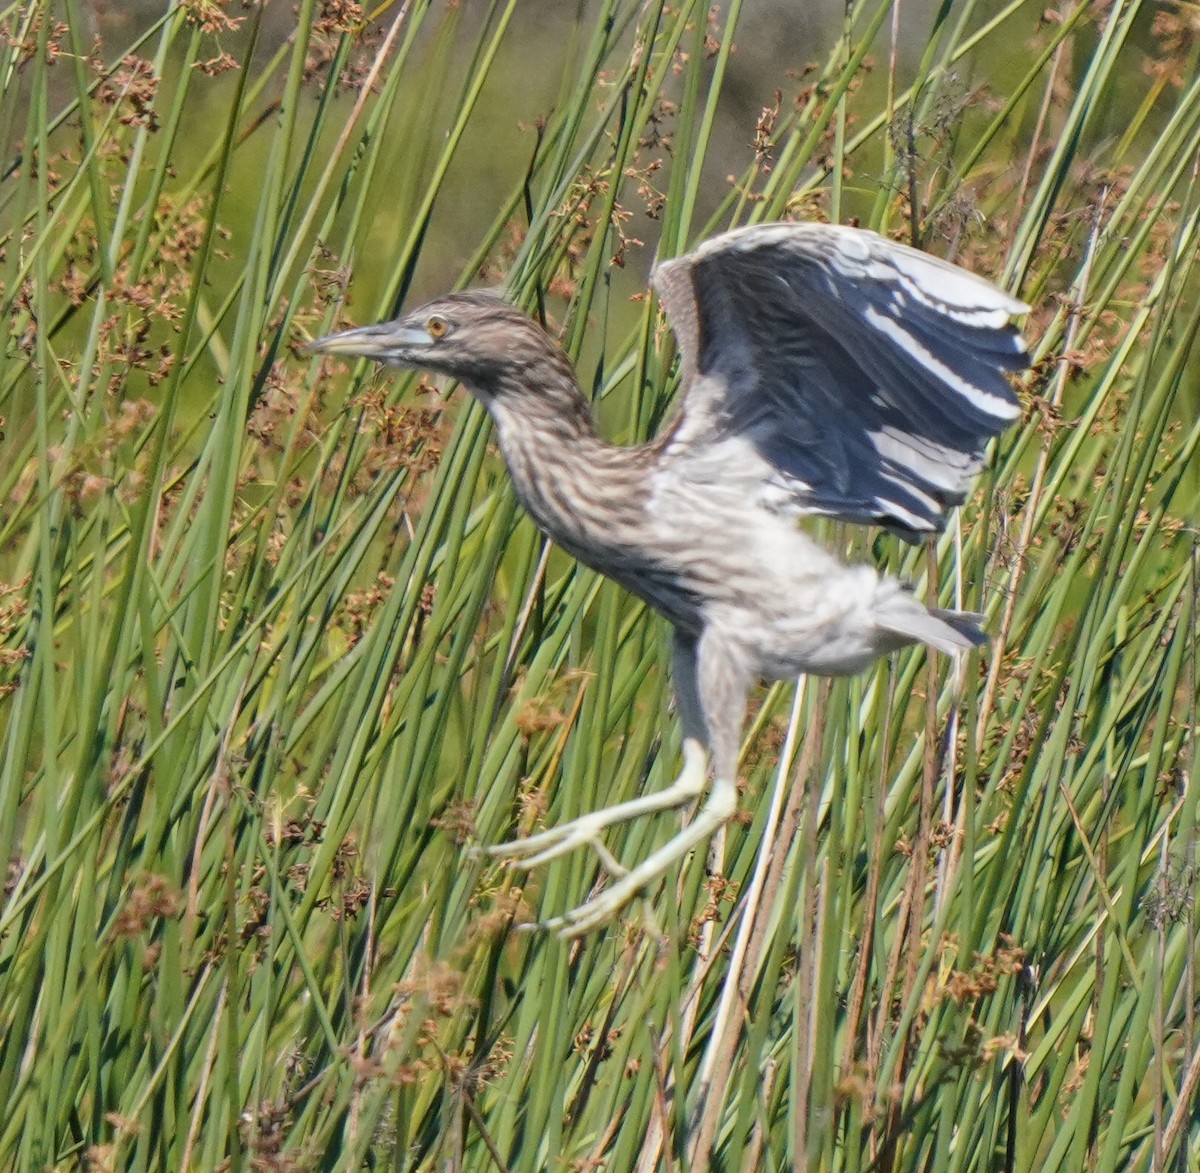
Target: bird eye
437	326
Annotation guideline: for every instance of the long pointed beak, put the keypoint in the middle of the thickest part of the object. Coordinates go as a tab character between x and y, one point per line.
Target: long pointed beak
387	341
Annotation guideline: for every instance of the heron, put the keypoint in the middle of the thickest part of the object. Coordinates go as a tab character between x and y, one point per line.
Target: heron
825	371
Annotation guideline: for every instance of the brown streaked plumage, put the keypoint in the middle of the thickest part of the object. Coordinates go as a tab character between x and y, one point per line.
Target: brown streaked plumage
826	371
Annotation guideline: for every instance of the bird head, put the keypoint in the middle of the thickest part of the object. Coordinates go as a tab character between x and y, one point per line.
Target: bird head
474	337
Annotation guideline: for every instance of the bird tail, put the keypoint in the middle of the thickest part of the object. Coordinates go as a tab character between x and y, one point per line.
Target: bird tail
947	631
966	625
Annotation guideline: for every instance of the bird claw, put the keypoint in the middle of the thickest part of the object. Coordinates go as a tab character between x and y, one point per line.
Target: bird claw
598	911
585	832
555	842
605	905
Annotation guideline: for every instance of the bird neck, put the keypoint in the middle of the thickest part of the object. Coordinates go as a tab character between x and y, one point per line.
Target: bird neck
583	492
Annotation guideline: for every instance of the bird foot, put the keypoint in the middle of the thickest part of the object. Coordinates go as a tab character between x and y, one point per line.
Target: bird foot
721	804
585	830
556	841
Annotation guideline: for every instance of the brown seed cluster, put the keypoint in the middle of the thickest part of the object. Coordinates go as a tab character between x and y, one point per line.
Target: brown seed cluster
335	21
152	897
132	90
984	976
211	16
14	610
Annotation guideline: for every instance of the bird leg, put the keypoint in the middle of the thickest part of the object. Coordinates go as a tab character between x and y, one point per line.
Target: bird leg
721	804
711	685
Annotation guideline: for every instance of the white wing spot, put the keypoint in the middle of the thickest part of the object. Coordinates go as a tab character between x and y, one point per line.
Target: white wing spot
993	405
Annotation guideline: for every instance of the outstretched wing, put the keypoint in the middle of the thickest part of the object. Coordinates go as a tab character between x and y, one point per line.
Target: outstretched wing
870	376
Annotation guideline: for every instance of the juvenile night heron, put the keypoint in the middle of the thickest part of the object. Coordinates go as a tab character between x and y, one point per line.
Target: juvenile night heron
825	371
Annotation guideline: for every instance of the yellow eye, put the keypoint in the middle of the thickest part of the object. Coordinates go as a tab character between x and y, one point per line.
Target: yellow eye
437	326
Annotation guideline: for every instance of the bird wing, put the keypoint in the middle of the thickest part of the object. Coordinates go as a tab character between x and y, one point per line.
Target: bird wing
868	375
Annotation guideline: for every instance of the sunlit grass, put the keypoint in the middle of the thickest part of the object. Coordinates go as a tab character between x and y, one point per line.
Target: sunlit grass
276	645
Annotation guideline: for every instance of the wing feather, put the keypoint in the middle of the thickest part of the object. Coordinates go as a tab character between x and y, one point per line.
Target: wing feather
870	376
